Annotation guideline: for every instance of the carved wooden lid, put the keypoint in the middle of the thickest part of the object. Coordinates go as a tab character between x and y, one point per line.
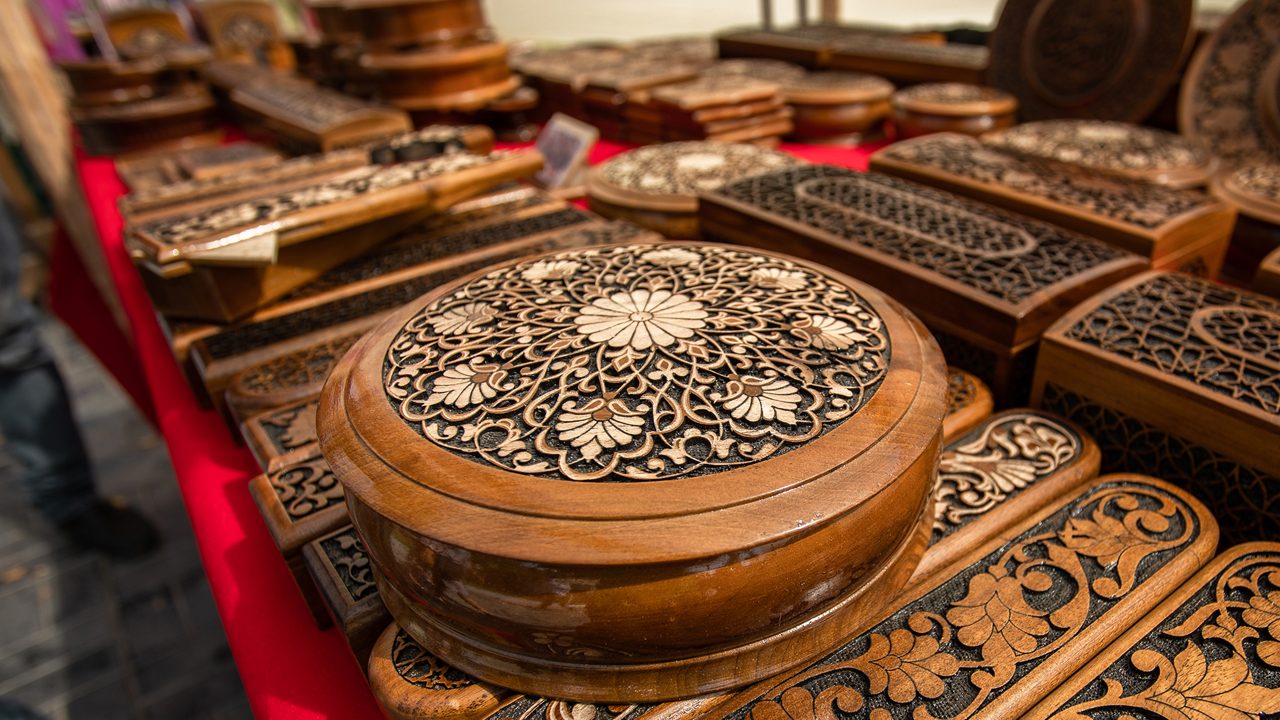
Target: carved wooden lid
1255	189
624	382
776	71
710	91
1231	94
669	177
1121	148
831	88
954	99
1096	59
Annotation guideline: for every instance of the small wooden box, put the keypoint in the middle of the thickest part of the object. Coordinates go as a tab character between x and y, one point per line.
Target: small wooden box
96	81
309	118
390	25
341	570
986	281
951	107
1174	229
1177	377
1210	644
464	78
831	106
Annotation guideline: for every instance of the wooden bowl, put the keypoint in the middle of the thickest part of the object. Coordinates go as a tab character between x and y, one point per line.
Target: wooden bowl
837	104
951	107
453	79
392	24
639	472
657	186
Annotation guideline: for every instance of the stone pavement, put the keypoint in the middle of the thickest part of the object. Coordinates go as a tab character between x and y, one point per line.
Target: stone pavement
85	638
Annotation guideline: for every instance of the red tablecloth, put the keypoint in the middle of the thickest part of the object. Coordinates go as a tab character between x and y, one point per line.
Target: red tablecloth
289	668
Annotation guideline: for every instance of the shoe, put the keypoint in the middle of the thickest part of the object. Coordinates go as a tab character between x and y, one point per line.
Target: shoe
117	531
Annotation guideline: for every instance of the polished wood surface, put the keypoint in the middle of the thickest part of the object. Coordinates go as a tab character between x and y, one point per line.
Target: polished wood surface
143	31
987	302
837	104
1175	229
655	512
1208	648
1176	376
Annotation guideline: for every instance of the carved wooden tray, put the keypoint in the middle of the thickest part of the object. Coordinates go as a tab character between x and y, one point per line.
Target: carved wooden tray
1174	229
657	186
1208	650
1143	153
613	465
1177	376
1090	58
988	282
1229	98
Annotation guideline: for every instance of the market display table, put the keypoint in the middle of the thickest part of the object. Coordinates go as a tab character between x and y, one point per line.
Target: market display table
289	668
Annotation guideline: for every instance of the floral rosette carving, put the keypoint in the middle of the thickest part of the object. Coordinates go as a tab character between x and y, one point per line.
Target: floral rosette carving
641	362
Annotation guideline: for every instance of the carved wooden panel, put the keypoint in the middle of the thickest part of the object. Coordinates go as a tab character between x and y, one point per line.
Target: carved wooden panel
285	379
1166	225
1211	650
342	572
279	433
1090	58
1229	98
218	160
313	117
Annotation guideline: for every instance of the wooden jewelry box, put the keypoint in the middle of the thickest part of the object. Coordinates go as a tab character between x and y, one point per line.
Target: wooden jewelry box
727	108
837	106
1132	151
1208	650
951	107
657	186
708	387
308	118
774	71
1255	192
986	281
1177	376
1174	229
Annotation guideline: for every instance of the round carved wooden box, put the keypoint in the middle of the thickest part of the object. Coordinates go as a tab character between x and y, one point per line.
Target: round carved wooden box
657	186
1255	191
394	24
639	472
1118	148
463	78
951	107
830	106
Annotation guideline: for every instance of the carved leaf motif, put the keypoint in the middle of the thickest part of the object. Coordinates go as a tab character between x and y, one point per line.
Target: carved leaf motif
994	615
1191	688
907	665
798	703
1114	543
1264	613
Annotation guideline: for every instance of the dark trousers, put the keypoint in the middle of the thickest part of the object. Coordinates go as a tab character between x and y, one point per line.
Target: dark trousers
35	414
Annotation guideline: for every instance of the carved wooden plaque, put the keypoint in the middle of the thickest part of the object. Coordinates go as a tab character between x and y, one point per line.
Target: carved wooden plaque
1090	58
1177	376
993	279
285	379
279	433
342	573
1229	98
1175	229
1135	151
1210	650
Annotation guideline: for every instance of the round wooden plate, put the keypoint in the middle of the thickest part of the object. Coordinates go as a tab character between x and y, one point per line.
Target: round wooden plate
639	472
1231	95
1101	59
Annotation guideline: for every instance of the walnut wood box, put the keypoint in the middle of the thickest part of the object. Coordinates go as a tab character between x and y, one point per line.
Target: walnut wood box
951	107
397	24
342	573
308	118
1174	229
1177	377
1208	650
277	435
832	105
850	448
986	281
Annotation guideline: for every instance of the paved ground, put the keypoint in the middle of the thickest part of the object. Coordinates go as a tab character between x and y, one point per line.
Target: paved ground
84	638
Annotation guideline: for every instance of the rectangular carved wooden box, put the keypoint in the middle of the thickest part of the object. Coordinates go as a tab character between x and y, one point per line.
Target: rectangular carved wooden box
986	281
1177	377
1184	230
308	118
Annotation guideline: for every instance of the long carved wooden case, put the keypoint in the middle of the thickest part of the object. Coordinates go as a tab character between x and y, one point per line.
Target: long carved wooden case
1174	229
309	118
1208	651
988	282
1177	377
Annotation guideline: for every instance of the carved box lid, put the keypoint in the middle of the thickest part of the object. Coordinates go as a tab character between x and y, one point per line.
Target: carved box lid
1255	189
984	274
954	99
650	416
1124	149
1196	358
830	88
669	177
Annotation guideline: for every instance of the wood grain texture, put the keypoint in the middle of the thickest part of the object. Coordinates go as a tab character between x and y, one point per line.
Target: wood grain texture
1208	650
1177	375
1074	462
996	295
1173	229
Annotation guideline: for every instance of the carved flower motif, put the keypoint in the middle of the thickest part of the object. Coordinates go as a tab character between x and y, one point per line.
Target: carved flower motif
906	665
550	270
463	319
777	278
1264	613
798	703
466	385
755	399
641	319
598	426
825	332
1192	688
671	257
995	616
